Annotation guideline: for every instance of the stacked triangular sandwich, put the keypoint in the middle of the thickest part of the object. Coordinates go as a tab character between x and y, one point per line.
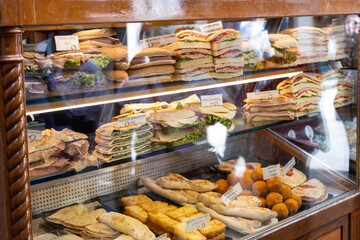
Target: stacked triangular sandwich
115	143
339	44
226	49
312	42
305	89
59	150
151	65
344	84
97	38
193	56
283	52
272	109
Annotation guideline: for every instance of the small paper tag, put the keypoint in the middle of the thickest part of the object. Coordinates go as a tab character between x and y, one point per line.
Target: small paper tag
289	166
162	237
263	95
157	41
139	118
67	42
291	133
211	100
34	134
271	171
336	65
198	222
211	27
231	194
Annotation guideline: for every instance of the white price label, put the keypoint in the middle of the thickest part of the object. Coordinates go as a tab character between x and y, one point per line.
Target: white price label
289	166
263	95
291	133
34	134
198	222
139	118
211	100
309	132
157	41
211	27
336	65
162	237
67	42
231	194
271	171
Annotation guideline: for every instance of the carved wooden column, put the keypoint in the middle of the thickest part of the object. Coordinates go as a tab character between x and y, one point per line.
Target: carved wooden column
15	210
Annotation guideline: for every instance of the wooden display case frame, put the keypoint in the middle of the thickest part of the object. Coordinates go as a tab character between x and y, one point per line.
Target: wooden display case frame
17	15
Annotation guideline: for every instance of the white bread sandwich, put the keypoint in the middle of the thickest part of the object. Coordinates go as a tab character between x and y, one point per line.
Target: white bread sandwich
273	109
339	44
305	89
228	58
193	56
312	44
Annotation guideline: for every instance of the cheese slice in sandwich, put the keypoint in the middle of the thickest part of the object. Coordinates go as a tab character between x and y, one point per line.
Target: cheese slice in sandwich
152	57
111	130
135	107
121	155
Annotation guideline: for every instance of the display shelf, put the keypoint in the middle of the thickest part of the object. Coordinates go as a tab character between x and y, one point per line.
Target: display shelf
57	102
241	127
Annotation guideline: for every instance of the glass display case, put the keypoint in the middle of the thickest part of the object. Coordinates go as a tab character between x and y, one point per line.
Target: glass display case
180	126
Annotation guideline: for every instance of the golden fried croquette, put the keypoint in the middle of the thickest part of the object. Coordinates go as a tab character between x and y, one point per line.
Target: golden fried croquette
246	193
281	210
222	186
233	178
246	182
292	205
298	199
273	198
286	192
259	189
274	184
257	174
263	204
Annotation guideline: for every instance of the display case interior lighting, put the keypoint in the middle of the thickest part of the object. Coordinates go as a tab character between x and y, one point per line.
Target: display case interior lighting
164	93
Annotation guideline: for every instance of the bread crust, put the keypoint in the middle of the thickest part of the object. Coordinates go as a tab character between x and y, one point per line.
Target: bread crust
95	33
116	75
154	63
152	71
155	51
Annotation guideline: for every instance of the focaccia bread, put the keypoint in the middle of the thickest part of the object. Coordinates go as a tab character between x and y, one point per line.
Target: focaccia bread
82	220
209	198
100	230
